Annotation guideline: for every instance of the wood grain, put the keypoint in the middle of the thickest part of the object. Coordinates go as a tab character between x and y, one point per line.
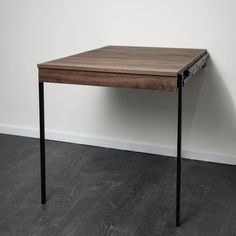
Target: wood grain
122	66
108	79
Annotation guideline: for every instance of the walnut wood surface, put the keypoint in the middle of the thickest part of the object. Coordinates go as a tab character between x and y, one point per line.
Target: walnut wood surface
108	79
122	66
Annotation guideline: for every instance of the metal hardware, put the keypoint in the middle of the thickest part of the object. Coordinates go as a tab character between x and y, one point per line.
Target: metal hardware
197	66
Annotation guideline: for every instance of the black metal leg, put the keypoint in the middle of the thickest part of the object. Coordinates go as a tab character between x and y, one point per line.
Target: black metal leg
179	147
42	143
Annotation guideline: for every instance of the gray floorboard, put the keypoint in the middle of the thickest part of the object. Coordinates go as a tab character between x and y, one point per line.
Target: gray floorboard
100	191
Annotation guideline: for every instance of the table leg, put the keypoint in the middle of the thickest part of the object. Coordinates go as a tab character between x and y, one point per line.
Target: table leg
179	147
42	143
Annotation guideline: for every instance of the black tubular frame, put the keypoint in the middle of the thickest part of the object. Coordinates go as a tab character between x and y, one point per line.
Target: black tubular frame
182	78
179	149
180	82
42	143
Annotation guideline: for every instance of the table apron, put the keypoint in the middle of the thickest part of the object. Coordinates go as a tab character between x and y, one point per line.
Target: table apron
151	82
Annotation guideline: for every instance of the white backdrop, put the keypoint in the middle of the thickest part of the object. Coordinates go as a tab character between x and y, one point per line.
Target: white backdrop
36	31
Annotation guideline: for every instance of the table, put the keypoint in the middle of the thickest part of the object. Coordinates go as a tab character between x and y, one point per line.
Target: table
128	67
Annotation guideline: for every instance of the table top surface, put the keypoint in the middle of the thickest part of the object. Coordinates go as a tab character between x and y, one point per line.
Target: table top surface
129	60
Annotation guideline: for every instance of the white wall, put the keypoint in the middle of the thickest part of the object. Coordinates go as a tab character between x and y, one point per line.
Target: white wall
36	31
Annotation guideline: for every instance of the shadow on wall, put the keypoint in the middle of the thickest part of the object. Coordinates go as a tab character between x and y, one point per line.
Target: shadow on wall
211	113
143	116
151	116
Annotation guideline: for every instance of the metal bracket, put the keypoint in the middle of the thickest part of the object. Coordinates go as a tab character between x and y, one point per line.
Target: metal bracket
180	80
193	69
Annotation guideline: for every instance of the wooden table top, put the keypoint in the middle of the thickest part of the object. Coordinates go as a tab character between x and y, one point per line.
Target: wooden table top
122	66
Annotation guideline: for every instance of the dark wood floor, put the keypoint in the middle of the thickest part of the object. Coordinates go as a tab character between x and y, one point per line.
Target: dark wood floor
100	191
